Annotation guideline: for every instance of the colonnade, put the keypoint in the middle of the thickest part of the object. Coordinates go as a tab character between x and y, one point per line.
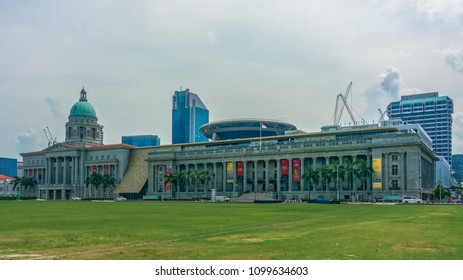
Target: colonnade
239	175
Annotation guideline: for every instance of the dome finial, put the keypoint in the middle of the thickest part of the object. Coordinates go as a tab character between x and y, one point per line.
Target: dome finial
83	95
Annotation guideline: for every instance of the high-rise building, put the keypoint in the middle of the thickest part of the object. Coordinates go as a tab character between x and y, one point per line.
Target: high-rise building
188	114
141	140
433	113
8	166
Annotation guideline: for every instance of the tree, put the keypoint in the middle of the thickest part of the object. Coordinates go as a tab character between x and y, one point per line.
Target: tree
349	169
327	174
311	175
95	180
16	181
440	192
27	182
172	179
363	171
338	175
108	181
205	177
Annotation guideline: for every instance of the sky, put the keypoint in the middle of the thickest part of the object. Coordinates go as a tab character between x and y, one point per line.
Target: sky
285	60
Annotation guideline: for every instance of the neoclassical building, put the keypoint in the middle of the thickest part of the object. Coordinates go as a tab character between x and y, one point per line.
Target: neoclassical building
273	167
62	169
259	168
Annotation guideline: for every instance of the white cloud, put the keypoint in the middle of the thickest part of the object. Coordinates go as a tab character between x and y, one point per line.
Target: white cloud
244	59
390	81
453	57
448	11
30	141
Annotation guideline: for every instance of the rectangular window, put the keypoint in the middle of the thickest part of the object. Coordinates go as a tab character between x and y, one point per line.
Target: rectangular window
394	157
395	170
394	184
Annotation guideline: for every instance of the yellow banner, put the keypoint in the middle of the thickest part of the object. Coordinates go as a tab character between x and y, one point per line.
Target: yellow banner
377	173
230	172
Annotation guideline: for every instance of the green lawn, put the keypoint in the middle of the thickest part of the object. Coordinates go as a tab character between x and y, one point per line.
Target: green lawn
174	230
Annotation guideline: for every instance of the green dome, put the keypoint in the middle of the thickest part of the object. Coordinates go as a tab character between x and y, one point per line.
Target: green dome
83	108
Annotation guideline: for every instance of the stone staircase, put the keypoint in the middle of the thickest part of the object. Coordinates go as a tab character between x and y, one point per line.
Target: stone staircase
251	197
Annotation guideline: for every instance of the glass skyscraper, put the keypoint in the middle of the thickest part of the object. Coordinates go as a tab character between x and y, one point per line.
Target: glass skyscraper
9	166
188	114
433	113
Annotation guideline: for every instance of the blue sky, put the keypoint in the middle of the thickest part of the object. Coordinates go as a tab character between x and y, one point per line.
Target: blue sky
282	60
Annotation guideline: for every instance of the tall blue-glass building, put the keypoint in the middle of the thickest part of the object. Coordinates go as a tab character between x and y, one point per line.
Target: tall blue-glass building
9	166
433	113
188	114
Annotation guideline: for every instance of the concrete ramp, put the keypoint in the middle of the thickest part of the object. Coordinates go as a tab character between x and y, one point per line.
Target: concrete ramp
137	172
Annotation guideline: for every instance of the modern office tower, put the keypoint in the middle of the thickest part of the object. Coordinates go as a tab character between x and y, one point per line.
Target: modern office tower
141	140
9	166
188	114
433	113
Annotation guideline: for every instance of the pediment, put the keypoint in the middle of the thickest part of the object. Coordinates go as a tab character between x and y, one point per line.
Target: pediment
61	147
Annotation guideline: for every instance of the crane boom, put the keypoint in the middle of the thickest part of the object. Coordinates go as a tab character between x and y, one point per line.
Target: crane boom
341	102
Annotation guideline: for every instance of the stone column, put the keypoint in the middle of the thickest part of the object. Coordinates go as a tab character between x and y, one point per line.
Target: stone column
214	184
56	171
290	174
48	174
235	182
245	175
256	182
278	175
267	175
65	170
302	172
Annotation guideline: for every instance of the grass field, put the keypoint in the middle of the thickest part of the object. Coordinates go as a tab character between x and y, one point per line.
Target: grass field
228	231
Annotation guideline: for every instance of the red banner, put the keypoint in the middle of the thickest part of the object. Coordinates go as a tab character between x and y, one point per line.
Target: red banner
40	173
284	166
30	173
106	169
94	169
296	170
239	169
168	172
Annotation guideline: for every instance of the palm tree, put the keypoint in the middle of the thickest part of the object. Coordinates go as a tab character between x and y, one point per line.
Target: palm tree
349	169
27	182
108	181
172	178
95	180
195	179
363	171
311	175
327	175
16	181
205	177
338	175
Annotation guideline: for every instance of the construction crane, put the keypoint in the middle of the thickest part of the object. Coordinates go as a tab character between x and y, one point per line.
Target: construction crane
341	103
381	115
50	138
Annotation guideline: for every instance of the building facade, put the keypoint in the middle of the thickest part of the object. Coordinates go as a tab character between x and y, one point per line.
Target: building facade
188	114
63	169
141	140
243	168
9	166
433	113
